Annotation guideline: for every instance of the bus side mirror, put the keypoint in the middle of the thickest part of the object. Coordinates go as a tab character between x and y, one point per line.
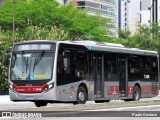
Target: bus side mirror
6	57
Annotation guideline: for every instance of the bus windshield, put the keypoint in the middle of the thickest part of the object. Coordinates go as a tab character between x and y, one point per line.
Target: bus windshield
32	66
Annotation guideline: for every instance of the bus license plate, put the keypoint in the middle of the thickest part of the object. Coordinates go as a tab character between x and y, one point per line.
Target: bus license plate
29	97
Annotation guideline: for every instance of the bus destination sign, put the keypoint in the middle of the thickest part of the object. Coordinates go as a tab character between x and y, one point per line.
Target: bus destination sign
34	47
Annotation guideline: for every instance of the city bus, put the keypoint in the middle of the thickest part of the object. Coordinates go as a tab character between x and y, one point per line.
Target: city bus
48	71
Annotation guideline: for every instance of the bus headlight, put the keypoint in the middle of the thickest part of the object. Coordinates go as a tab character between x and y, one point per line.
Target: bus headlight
12	88
49	87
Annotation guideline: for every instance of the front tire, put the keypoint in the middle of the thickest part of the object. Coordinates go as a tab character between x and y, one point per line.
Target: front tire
40	103
81	96
136	93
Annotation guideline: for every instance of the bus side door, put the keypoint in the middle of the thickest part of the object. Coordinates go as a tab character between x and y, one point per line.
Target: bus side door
99	75
123	75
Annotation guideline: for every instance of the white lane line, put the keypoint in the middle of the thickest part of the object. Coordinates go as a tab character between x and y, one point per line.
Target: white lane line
125	108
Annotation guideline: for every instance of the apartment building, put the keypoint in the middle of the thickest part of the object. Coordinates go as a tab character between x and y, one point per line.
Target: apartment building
149	11
106	8
124	14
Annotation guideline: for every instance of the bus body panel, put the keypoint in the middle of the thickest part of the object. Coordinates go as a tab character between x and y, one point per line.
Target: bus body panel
69	92
50	95
111	89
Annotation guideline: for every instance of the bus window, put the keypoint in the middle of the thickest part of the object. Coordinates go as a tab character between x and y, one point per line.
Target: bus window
154	65
133	64
110	67
66	63
65	67
145	64
81	64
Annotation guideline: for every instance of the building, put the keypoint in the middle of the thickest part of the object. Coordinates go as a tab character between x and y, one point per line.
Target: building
124	14
149	11
106	8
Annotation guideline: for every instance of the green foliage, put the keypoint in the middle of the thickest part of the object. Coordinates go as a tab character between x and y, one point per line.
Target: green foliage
146	38
5	42
46	19
48	14
124	34
40	33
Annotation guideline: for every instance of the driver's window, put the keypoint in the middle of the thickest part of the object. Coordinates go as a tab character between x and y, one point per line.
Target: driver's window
64	62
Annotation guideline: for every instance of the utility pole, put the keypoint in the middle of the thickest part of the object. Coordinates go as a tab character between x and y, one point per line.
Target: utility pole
14	31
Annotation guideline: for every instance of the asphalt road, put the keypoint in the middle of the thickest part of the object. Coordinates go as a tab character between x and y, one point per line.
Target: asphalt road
26	105
150	111
126	113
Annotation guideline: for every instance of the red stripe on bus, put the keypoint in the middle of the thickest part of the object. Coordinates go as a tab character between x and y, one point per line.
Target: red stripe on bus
146	89
130	90
29	89
114	90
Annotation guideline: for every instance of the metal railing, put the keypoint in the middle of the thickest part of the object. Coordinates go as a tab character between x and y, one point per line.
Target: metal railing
108	1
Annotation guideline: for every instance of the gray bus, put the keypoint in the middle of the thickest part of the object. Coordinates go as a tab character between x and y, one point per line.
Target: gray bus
47	71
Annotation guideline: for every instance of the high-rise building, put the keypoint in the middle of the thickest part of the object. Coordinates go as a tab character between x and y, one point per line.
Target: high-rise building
149	11
124	16
106	8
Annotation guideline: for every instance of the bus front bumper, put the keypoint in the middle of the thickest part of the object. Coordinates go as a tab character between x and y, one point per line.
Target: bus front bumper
15	96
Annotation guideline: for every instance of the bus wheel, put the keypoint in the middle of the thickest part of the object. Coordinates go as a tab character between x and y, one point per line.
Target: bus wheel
40	103
136	93
81	96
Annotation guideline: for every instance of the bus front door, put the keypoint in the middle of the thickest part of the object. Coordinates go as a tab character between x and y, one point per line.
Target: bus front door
123	74
98	75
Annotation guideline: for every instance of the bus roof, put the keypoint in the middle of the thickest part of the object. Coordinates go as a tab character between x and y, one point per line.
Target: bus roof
98	46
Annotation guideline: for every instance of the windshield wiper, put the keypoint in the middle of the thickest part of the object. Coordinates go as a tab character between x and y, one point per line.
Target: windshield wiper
37	60
25	61
14	61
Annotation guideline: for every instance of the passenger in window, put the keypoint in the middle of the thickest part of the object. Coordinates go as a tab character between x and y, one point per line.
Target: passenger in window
81	74
77	73
131	70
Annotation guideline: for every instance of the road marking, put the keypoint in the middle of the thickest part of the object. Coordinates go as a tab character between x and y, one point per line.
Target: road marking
125	108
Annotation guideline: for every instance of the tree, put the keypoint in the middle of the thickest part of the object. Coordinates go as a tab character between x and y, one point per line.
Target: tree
124	34
145	38
46	19
5	42
80	25
48	14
